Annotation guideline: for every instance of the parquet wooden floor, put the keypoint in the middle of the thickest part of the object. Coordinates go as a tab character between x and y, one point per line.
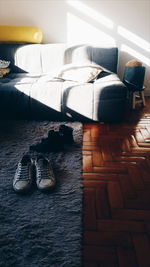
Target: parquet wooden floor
116	179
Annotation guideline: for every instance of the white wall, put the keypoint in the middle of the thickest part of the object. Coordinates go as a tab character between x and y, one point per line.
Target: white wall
124	23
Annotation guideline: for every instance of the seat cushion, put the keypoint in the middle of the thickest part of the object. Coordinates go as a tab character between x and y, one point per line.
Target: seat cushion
42	94
44	97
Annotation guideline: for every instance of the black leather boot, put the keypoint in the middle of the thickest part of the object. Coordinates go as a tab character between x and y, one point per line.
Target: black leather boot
66	134
52	143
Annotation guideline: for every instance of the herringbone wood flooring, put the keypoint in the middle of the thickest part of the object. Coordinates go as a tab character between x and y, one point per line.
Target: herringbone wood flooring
116	179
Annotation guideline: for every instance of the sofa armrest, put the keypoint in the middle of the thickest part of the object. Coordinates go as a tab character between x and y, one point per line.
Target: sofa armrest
110	86
110	99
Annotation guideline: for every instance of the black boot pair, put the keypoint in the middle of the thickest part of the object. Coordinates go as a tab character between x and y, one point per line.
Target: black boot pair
55	140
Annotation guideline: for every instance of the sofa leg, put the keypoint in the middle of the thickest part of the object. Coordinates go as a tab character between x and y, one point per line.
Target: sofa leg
133	100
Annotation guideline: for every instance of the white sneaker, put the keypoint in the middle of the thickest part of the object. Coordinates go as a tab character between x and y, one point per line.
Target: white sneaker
23	178
45	178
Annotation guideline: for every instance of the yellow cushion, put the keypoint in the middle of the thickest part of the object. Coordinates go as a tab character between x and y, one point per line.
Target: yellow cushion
20	34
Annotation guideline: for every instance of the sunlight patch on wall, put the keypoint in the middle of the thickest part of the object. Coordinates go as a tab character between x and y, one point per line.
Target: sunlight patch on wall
132	37
135	54
79	31
78	5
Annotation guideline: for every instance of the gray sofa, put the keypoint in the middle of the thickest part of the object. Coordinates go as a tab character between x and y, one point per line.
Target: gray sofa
29	93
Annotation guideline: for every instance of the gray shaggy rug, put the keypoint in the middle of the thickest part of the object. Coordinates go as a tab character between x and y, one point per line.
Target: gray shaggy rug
40	229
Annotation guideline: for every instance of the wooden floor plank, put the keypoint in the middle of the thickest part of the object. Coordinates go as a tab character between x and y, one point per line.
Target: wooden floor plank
142	248
126	257
102	204
110	238
99	253
123	226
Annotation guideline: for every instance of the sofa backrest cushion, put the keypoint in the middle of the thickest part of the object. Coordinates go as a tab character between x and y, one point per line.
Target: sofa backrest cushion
106	57
33	58
44	58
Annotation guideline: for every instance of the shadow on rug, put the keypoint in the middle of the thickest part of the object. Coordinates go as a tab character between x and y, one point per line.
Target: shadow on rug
40	229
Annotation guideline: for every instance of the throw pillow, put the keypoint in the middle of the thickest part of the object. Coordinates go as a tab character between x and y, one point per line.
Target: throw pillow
80	72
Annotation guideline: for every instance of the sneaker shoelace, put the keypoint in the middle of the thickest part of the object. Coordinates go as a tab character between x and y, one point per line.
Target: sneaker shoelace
44	171
23	171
